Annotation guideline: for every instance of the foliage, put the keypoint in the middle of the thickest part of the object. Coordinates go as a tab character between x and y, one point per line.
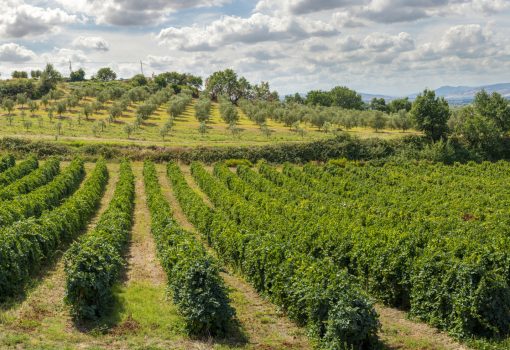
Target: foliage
6	162
431	114
193	275
45	197
93	264
28	244
105	74
13	173
312	291
37	178
78	75
494	107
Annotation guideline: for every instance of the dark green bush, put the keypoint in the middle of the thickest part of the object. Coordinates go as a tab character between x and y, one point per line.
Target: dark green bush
35	179
18	171
28	244
193	275
6	162
93	264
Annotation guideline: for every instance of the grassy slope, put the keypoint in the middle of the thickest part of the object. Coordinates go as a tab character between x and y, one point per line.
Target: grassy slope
185	132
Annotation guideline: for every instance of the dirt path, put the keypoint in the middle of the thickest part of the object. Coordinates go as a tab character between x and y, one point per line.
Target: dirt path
142	262
265	327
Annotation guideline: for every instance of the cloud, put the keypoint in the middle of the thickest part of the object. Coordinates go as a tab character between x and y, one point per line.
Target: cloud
91	43
255	29
62	56
20	20
12	52
134	12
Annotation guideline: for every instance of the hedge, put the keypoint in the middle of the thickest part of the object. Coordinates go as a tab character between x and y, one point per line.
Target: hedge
193	275
28	244
92	265
45	197
37	178
6	162
18	171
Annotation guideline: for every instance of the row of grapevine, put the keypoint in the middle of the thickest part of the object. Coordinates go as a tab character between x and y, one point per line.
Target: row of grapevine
193	275
427	232
314	292
26	245
19	170
6	162
93	264
45	197
35	179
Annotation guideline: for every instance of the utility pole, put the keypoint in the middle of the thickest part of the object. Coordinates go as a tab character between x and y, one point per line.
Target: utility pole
141	67
70	67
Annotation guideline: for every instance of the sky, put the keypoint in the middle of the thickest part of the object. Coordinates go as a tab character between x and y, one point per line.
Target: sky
391	47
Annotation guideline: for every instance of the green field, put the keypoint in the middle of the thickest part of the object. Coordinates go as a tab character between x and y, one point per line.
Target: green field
262	229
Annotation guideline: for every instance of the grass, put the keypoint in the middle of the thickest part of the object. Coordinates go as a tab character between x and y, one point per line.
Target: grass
74	127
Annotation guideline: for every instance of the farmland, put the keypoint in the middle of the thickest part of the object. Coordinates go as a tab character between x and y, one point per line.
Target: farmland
110	255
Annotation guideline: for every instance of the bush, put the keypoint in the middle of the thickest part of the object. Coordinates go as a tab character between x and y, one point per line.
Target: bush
18	171
234	163
6	162
93	264
193	275
28	244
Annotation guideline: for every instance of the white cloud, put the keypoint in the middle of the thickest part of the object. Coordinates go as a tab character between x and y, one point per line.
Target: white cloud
12	52
91	43
19	19
134	12
230	29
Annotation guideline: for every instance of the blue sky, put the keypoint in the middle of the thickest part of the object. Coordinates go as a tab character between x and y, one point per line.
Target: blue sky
393	47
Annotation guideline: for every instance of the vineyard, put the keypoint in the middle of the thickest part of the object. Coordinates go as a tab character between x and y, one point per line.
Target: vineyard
144	255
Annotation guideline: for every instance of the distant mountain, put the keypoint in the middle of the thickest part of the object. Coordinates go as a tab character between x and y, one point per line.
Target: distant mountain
465	94
368	97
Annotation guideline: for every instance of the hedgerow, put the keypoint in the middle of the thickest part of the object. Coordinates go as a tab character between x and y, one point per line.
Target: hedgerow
19	170
6	162
193	275
45	197
93	264
314	292
37	178
26	245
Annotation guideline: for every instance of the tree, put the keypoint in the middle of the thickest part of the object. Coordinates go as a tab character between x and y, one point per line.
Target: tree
144	111
378	104
399	104
128	129
19	75
35	74
49	79
479	133
32	106
106	74
226	83
402	120
296	98
378	122
8	105
139	80
202	129
78	75
431	114
494	107
45	100
229	114
265	130
344	97
21	99
318	98
88	110
202	109
115	112
27	124
61	108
